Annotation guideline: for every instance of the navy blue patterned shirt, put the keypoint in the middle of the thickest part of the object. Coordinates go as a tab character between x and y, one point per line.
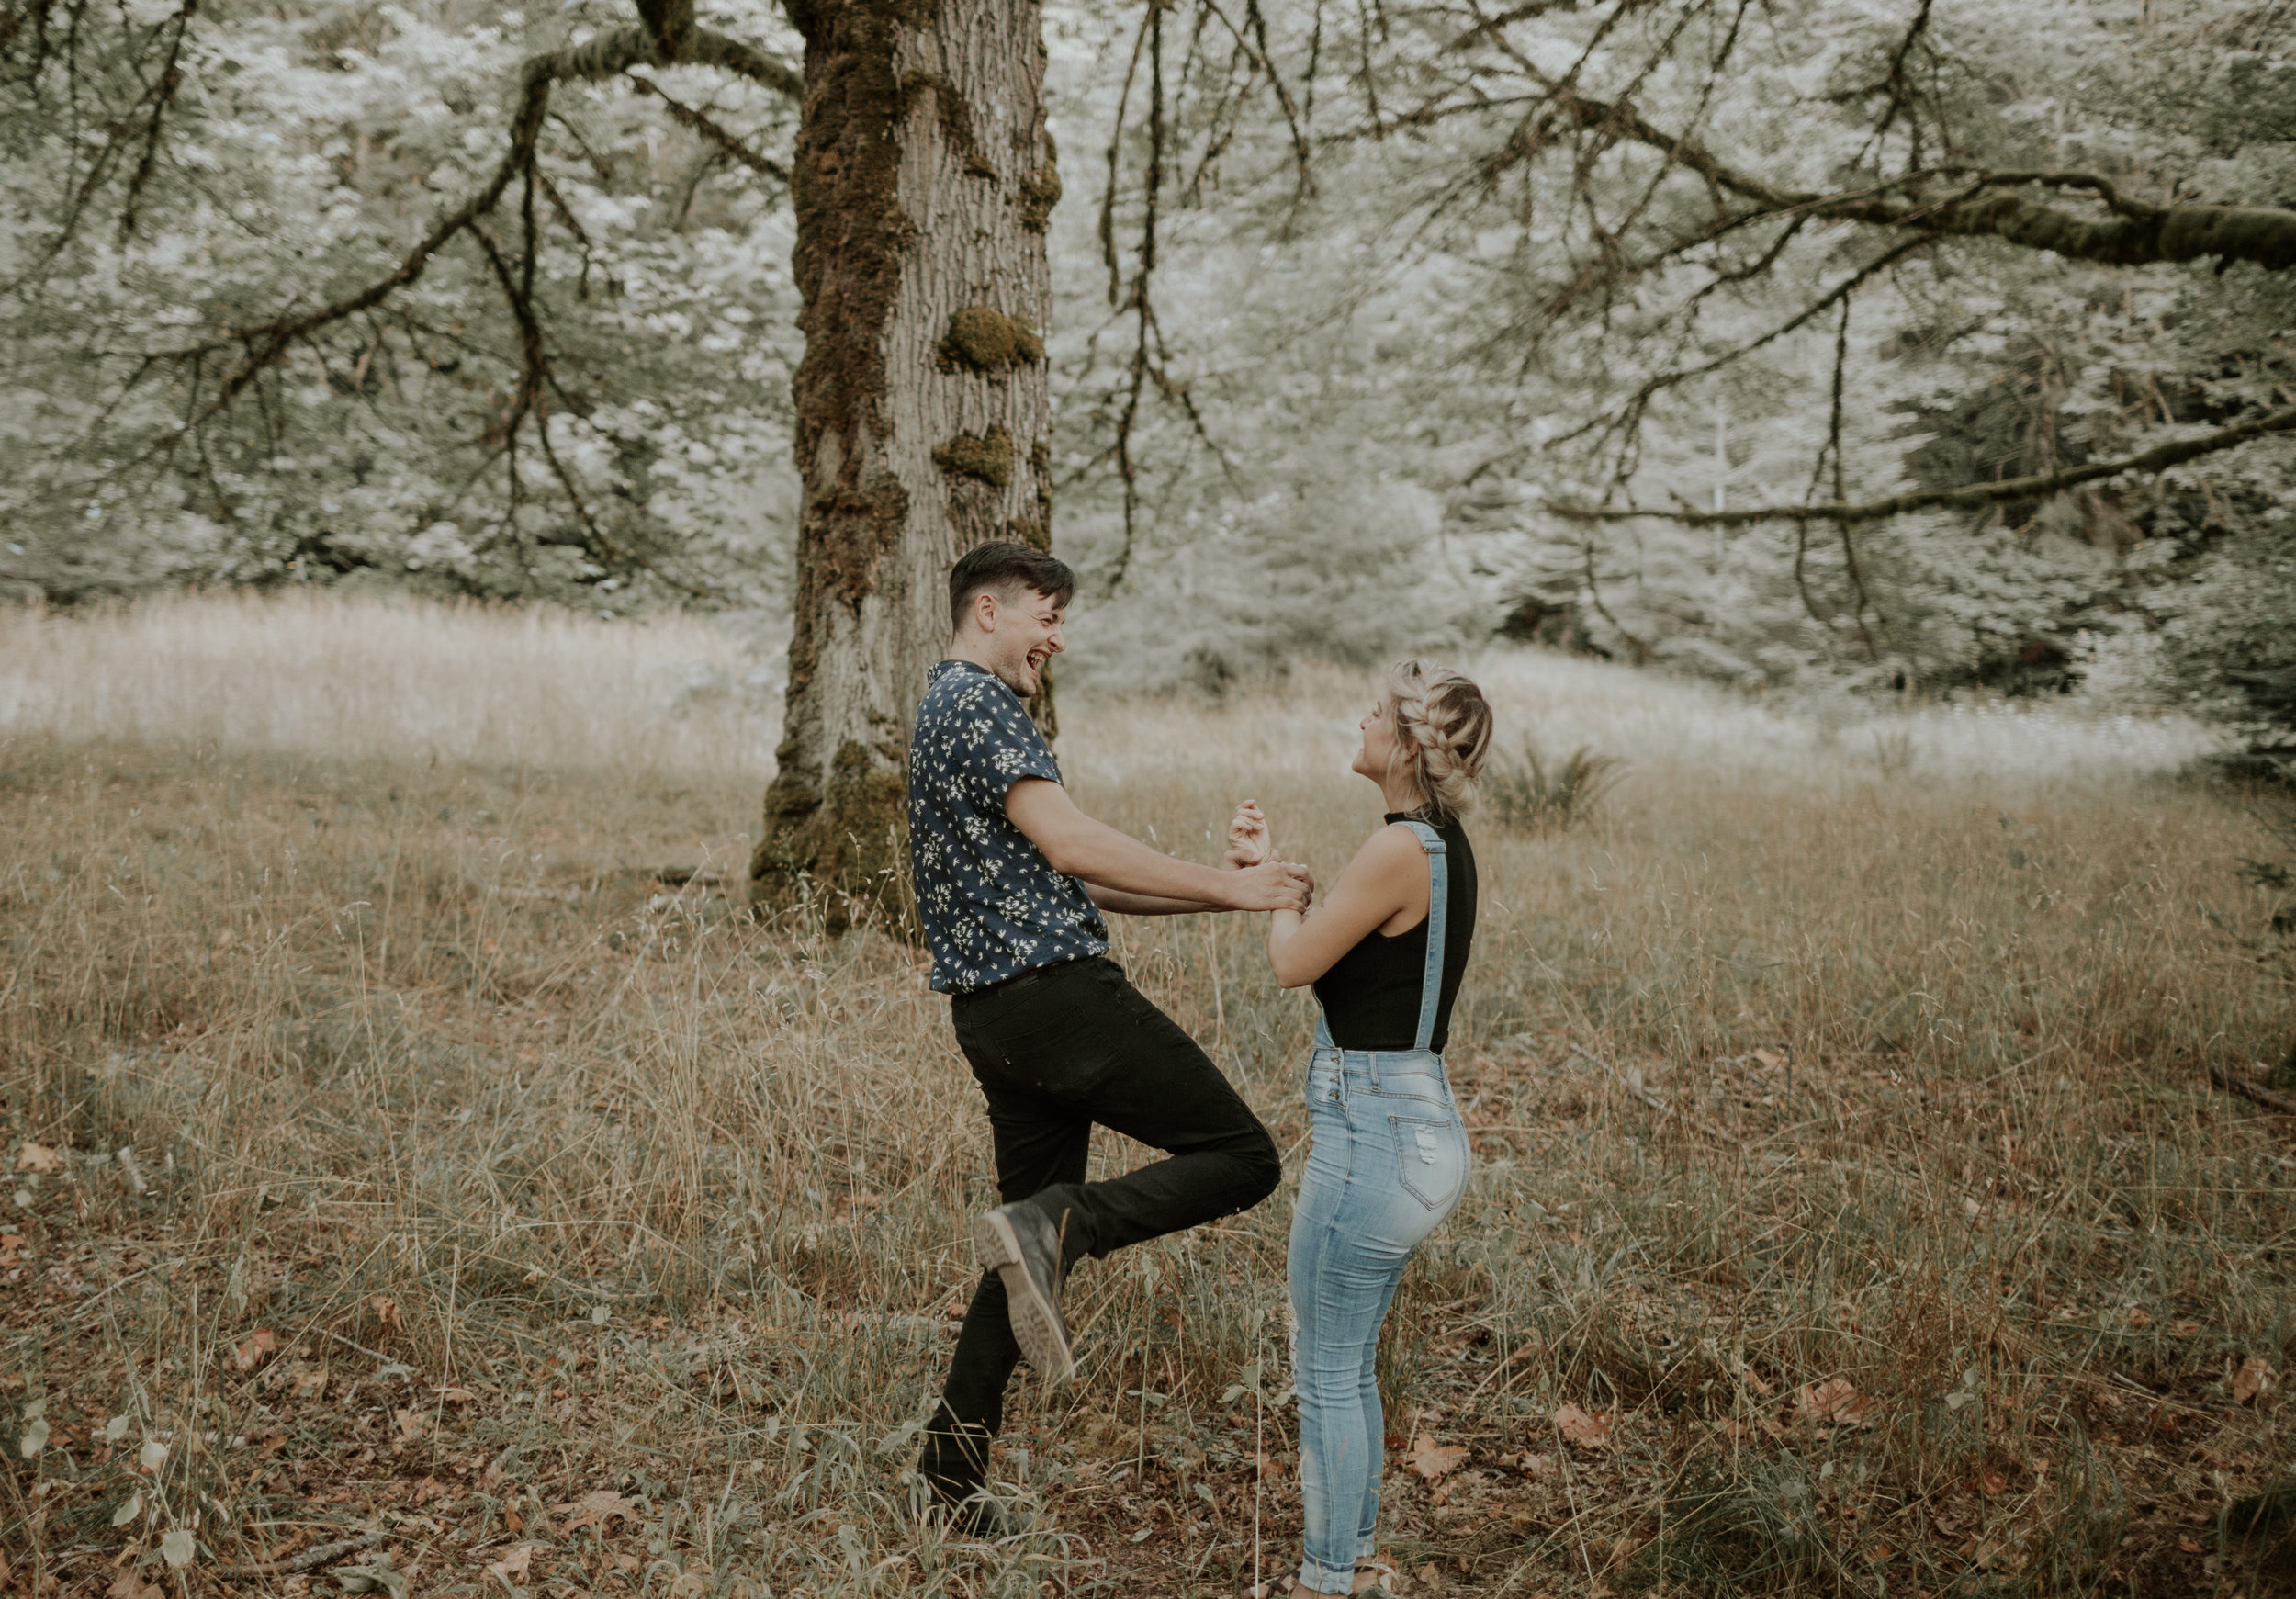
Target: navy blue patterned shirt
992	905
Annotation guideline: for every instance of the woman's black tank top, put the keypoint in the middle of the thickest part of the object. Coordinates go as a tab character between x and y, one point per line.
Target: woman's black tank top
1371	996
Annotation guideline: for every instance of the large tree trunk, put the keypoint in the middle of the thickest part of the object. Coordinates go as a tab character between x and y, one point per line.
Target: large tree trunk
924	181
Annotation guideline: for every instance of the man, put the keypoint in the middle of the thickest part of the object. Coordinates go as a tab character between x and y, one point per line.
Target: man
1011	881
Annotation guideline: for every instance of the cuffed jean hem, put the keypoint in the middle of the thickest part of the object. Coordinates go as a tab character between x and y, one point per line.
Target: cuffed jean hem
1325	1579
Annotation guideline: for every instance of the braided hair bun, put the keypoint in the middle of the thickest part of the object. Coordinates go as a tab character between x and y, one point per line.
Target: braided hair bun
1442	734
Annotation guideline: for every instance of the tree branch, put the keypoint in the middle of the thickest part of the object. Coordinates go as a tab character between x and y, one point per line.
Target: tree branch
1968	498
603	57
2136	235
726	140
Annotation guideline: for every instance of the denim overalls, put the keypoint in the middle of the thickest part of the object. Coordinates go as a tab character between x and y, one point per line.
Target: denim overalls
1388	1164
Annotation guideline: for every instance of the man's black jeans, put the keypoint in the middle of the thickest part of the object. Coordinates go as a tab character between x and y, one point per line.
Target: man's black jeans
1056	1051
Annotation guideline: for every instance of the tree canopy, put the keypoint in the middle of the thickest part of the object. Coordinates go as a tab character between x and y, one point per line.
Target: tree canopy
1892	342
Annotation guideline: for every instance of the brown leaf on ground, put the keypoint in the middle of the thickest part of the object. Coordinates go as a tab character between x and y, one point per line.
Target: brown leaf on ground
1433	1460
1836	1399
2183	1329
412	1423
1994	1484
251	1351
1589	1432
37	1157
2255	1377
2139	1317
11	1246
1769	1057
513	1566
594	1509
387	1311
456	1395
130	1586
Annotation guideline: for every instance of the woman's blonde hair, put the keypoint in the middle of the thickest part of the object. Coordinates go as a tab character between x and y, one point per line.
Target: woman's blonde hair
1442	733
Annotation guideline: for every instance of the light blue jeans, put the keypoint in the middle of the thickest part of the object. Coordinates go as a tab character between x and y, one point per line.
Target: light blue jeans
1388	1164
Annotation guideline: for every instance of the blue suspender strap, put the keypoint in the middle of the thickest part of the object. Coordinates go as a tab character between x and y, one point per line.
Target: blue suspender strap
1431	981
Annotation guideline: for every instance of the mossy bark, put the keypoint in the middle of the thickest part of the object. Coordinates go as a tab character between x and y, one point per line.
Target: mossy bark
920	185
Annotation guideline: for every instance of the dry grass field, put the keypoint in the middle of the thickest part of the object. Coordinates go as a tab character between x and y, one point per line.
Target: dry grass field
412	1146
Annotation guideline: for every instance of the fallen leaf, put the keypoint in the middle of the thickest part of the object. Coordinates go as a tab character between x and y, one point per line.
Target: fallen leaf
2255	1377
1836	1400
491	1478
692	1583
596	1509
456	1395
11	1248
258	1343
176	1548
129	1585
1433	1460
513	1566
1623	1551
2189	1543
1753	1379
1769	1057
1879	1552
381	1577
37	1157
2183	1329
387	1311
2139	1317
132	1507
412	1423
1994	1484
512	1519
1589	1432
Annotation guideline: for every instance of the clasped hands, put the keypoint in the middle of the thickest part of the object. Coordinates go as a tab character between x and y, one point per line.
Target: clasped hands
1252	850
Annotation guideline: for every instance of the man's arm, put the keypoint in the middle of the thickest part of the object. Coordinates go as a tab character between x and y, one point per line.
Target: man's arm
1123	904
1105	859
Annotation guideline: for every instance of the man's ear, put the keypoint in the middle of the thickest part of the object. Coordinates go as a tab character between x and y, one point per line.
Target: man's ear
984	611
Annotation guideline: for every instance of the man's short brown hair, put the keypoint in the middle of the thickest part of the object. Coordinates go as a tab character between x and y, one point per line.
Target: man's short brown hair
1002	567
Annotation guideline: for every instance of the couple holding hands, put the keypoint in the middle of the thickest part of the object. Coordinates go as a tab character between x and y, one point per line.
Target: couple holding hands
1011	882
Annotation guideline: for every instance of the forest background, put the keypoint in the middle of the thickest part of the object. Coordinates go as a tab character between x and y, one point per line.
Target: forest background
1353	307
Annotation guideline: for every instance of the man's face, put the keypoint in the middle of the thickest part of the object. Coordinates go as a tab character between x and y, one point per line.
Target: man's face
1022	631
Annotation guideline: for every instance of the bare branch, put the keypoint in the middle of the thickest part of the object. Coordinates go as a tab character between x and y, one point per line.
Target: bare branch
729	142
1970	497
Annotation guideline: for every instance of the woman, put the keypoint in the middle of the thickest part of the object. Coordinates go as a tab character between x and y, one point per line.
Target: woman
1385	952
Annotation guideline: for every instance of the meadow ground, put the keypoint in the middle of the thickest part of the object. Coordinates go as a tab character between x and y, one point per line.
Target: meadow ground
411	1145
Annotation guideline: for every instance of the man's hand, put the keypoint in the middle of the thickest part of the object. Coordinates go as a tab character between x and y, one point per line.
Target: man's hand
1249	841
1274	885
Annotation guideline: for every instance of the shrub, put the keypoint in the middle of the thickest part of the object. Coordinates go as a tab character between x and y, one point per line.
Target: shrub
1527	795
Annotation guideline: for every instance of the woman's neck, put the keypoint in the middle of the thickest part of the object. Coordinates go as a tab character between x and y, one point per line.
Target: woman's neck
1401	795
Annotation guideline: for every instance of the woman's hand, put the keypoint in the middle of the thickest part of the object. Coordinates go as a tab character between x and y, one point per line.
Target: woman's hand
1249	843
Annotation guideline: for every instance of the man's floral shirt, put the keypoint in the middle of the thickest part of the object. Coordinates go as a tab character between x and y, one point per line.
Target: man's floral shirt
992	905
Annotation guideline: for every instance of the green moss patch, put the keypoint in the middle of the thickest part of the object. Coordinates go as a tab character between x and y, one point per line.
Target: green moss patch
989	341
987	456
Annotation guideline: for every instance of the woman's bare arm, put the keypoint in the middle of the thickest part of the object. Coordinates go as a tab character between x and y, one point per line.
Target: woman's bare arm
1385	886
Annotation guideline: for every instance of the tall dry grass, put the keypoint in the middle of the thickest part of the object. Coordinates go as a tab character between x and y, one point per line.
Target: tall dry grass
1868	1053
